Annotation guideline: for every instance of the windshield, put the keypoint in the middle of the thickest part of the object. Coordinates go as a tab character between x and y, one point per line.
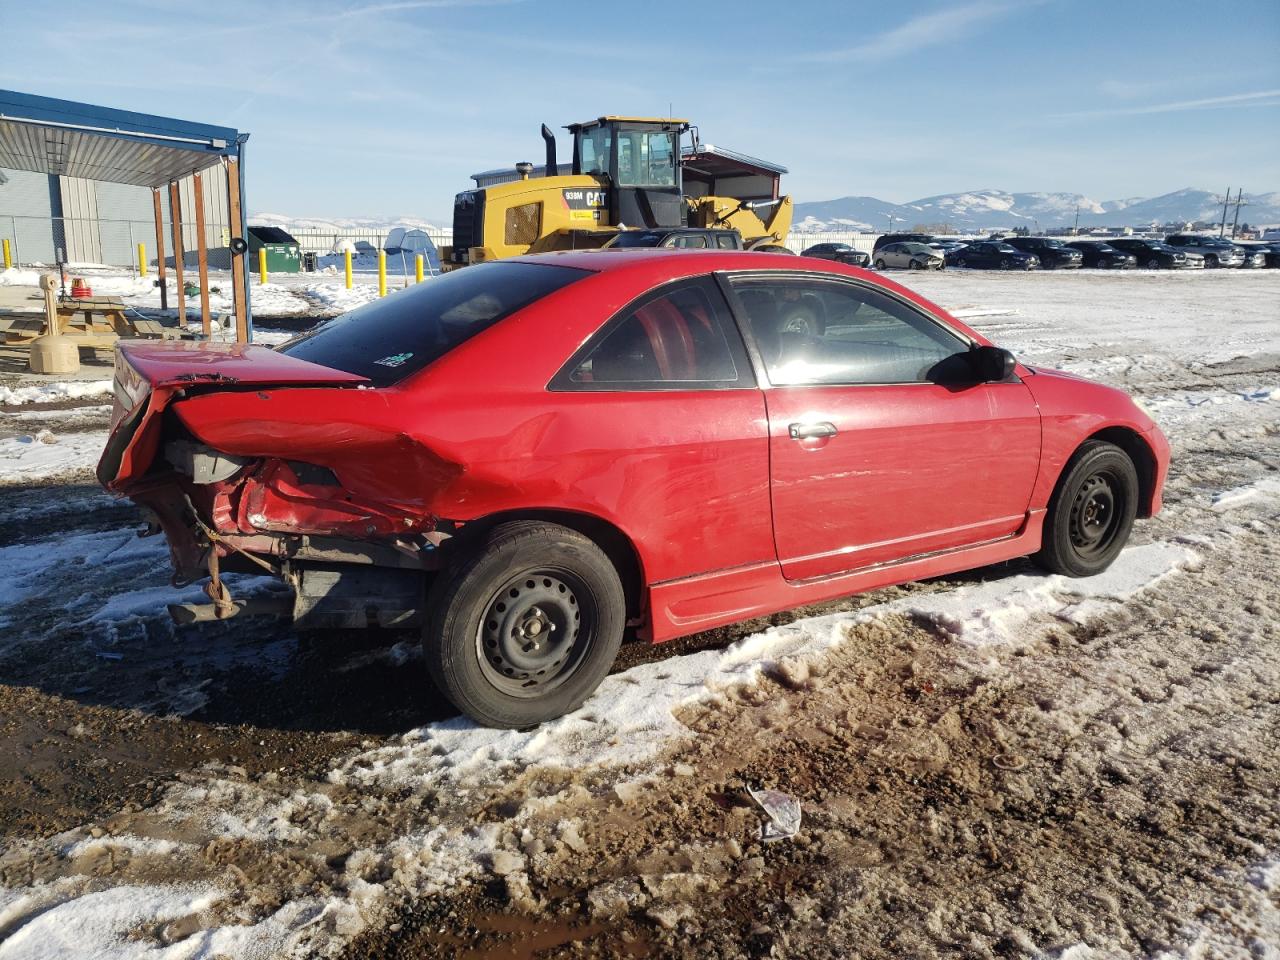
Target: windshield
391	338
647	158
1051	243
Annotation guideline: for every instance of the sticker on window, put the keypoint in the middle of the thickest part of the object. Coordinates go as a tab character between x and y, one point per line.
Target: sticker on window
395	360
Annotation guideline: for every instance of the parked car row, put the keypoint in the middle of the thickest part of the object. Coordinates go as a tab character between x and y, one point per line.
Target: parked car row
1179	251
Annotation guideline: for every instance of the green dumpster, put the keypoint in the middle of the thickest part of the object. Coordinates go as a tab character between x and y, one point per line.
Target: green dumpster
283	253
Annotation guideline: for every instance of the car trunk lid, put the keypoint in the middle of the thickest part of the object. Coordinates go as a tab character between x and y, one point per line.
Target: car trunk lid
148	375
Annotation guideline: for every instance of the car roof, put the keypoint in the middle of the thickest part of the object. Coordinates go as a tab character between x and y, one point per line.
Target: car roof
653	266
686	263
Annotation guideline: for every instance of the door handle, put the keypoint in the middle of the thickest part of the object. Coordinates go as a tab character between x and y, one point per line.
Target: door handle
811	431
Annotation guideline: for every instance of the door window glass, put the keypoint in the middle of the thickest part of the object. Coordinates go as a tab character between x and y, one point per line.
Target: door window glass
815	332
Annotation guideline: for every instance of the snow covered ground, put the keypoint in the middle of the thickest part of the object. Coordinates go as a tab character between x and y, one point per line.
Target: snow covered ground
996	764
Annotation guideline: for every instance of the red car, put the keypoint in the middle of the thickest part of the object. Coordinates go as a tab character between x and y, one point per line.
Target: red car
528	456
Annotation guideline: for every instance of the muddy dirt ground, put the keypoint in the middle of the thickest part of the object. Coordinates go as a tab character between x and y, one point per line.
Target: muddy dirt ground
1084	789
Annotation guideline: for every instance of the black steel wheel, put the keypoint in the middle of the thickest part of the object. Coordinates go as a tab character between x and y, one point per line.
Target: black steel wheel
530	638
1091	511
524	624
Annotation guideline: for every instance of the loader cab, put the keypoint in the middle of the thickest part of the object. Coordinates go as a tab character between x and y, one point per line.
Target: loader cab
638	161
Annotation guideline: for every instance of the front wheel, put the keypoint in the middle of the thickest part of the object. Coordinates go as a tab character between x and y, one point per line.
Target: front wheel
879	264
915	265
525	627
1153	264
1091	512
1004	263
1211	262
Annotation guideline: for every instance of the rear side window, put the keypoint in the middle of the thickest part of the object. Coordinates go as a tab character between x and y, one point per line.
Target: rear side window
391	338
679	338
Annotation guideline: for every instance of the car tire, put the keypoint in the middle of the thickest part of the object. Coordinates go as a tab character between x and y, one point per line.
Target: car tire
879	264
1004	263
1153	264
961	263
1091	511
1211	262
915	265
524	625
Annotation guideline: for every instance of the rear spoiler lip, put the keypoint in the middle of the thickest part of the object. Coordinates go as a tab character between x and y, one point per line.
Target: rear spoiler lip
170	364
176	370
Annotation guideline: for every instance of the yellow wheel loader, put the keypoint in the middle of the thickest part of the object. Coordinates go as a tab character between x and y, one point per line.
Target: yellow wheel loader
627	172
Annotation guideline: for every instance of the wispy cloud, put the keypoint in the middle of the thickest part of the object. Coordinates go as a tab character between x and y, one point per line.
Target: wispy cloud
1256	98
928	30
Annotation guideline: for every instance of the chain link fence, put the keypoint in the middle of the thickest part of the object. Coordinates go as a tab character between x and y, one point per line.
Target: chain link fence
114	243
44	241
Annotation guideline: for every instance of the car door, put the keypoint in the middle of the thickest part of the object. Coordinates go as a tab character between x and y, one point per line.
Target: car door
882	444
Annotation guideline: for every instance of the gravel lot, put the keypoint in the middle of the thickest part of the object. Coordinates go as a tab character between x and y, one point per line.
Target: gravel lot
997	764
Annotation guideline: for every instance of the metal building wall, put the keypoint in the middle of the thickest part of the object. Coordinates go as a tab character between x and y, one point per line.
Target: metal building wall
82	242
25	212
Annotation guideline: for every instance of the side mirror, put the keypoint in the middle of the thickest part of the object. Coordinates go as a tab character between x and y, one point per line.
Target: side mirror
993	364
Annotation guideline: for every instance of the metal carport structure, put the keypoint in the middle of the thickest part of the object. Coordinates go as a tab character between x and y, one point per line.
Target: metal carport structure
46	135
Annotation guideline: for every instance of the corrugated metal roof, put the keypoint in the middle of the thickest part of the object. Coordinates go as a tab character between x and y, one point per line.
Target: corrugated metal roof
709	151
45	135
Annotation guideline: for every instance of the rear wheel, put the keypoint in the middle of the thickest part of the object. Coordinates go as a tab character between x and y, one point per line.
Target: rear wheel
1091	512
1004	263
526	626
961	262
880	264
1153	264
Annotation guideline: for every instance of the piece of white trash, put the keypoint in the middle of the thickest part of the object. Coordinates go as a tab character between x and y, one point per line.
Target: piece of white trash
784	814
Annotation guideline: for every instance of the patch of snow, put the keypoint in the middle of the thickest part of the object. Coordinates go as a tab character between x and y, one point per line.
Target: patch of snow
1229	499
51	392
45	454
126	843
97	925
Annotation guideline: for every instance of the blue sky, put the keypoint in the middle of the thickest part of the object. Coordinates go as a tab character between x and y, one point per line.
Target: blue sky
370	108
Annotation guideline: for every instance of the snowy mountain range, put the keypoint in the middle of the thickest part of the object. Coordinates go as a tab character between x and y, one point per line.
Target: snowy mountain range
996	209
338	224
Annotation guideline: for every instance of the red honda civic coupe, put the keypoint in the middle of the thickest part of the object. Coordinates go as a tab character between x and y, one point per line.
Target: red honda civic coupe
523	458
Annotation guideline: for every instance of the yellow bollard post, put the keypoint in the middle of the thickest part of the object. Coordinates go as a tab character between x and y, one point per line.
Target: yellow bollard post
262	266
417	268
8	257
142	259
346	256
382	273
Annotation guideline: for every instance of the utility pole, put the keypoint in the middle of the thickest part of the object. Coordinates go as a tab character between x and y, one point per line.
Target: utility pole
1222	230
1076	229
1240	202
